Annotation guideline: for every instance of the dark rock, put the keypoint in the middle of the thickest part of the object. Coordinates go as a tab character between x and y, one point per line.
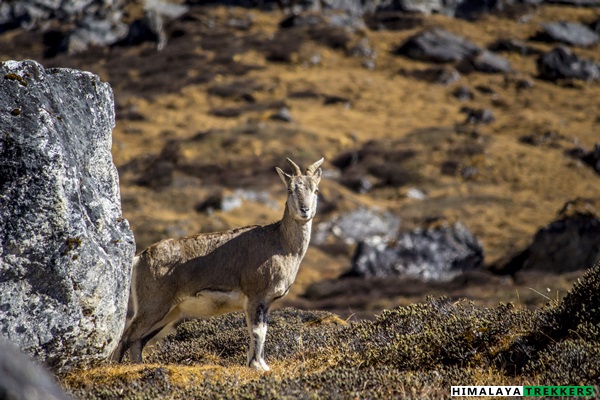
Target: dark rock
513	46
432	254
228	201
384	161
478	116
568	244
437	45
362	49
570	33
158	171
22	379
485	61
66	250
450	167
358	183
425	7
464	9
463	93
302	19
334	99
356	226
592	158
94	31
392	20
548	138
576	3
562	63
442	75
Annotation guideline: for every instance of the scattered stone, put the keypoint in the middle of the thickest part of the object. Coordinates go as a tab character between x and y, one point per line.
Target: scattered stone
469	172
382	161
362	49
283	114
576	3
442	75
570	33
464	9
228	201
416	194
356	226
65	248
513	46
478	116
356	182
158	171
485	61
562	63
591	158
426	7
302	19
437	45
463	93
431	254
392	20
568	244
335	99
548	138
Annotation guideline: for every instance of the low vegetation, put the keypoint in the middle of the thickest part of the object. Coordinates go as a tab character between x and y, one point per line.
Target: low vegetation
415	351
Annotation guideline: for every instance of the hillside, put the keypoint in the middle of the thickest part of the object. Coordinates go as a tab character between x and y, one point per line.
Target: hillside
202	124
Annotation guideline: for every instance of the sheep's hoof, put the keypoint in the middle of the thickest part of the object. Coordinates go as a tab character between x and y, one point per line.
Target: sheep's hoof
259	365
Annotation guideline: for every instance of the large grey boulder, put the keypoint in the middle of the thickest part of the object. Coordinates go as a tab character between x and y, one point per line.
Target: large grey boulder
65	249
438	253
356	226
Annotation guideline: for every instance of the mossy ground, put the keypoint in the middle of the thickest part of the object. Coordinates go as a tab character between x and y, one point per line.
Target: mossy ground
416	351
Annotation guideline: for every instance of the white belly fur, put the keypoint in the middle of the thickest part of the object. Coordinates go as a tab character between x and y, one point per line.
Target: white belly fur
211	303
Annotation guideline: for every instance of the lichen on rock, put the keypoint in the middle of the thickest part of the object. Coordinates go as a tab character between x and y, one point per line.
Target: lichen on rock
65	248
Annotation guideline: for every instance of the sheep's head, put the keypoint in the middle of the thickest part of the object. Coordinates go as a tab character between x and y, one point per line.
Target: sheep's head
303	190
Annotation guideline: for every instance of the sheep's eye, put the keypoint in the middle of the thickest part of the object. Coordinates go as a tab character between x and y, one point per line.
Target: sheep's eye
290	191
316	191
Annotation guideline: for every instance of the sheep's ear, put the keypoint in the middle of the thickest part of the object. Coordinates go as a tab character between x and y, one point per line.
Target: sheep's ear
316	177
284	177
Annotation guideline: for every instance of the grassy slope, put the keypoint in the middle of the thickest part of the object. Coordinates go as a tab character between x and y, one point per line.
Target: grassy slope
417	351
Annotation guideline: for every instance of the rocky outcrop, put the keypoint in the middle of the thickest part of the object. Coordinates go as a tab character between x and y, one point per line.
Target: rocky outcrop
562	63
433	254
568	244
356	226
437	45
65	249
75	25
569	33
22	379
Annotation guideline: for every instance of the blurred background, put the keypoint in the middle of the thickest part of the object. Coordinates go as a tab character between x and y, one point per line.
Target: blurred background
461	138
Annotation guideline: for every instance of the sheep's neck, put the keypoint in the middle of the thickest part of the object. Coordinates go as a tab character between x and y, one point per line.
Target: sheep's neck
295	235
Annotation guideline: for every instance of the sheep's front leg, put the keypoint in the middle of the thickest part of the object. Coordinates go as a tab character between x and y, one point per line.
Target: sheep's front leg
256	318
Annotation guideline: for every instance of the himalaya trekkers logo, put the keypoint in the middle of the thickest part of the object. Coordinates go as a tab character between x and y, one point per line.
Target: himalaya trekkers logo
522	391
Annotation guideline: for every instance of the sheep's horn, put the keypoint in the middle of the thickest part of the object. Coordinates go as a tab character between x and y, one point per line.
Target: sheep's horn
295	167
311	169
